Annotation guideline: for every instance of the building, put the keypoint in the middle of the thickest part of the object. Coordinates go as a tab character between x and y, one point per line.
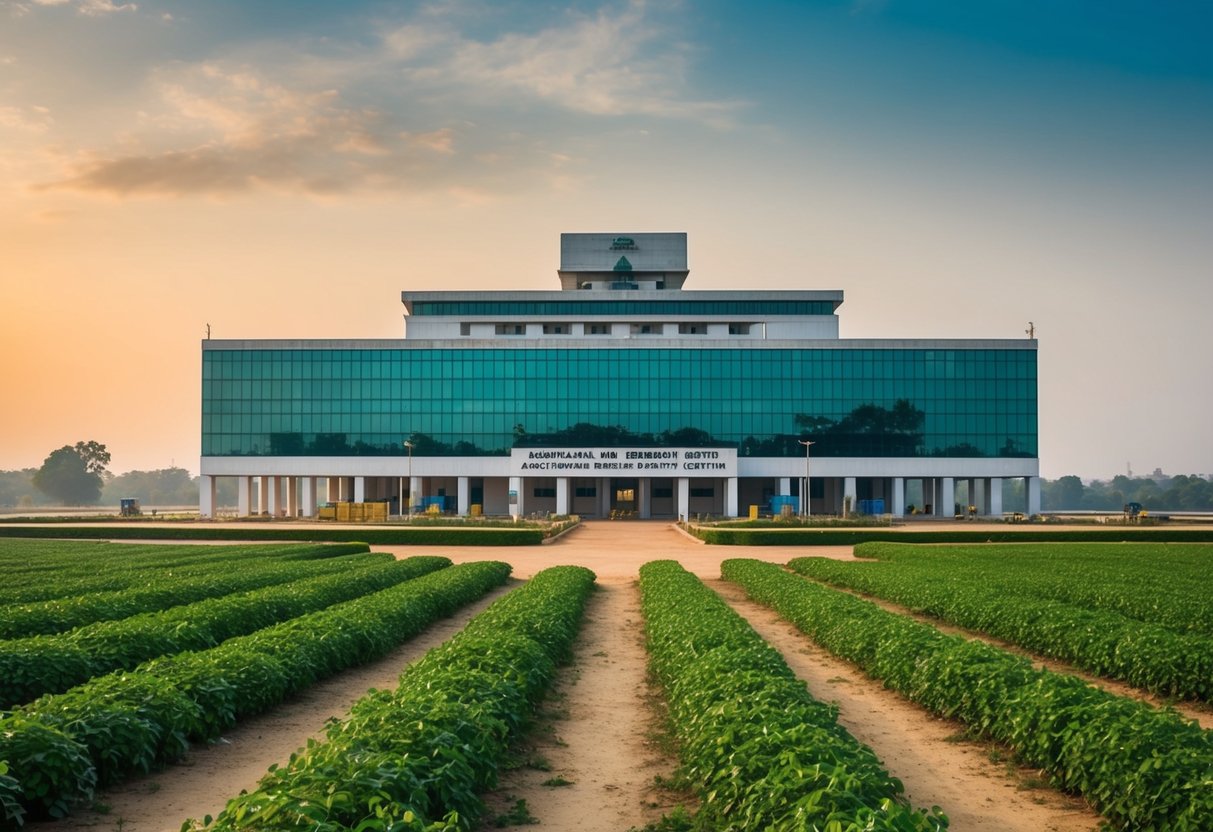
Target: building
621	392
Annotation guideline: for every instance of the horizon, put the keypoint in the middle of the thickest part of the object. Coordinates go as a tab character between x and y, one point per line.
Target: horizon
285	171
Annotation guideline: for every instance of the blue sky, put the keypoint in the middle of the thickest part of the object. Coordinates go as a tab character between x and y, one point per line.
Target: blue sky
284	169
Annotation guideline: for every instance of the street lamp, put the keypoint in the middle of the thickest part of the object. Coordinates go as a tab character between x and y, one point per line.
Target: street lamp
408	443
806	511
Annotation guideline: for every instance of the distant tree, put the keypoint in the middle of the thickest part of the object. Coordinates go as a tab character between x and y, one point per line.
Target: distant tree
1064	494
74	475
162	487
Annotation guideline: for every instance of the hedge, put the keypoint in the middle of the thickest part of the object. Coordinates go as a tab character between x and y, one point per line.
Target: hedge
407	536
852	537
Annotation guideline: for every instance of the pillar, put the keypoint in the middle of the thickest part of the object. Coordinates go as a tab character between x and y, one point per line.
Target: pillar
684	498
292	496
516	502
309	497
359	489
263	502
994	503
730	497
415	493
898	508
643	488
848	494
465	495
1033	484
785	486
206	496
562	495
604	496
947	497
244	488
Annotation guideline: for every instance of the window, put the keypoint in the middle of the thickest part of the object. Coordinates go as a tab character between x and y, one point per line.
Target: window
586	491
511	329
625	495
465	329
703	492
646	329
543	492
556	329
598	329
663	493
692	329
739	329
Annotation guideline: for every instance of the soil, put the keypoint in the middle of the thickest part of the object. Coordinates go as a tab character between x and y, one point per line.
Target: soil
597	730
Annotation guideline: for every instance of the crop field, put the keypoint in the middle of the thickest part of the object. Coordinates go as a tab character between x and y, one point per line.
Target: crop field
663	686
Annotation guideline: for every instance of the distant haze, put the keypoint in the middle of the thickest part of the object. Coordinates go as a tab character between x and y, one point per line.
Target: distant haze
284	170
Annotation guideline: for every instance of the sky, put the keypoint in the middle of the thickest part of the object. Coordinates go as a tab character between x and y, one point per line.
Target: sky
283	169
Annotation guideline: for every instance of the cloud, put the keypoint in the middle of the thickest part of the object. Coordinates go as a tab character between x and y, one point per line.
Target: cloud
262	135
298	120
618	62
32	119
91	8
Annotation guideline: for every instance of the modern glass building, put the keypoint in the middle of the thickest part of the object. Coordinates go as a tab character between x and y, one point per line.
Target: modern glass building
621	392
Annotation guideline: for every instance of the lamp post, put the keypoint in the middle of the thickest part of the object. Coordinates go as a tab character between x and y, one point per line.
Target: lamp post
408	443
806	511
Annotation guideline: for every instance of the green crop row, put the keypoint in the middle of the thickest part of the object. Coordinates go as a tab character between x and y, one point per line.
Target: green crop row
418	758
759	750
1147	656
31	667
60	747
39	570
1145	769
1160	583
161	592
400	536
852	537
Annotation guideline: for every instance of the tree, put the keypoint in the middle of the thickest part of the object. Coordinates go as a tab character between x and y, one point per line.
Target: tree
73	474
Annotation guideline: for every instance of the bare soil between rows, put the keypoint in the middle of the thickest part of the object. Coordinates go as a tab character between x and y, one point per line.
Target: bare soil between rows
596	731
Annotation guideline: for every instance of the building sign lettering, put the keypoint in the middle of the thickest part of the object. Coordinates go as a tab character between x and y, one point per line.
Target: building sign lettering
591	462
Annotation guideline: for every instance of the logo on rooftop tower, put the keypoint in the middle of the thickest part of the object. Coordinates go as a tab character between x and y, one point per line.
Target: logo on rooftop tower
623	244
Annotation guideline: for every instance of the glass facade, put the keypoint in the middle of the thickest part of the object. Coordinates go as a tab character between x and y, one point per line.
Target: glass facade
851	402
519	308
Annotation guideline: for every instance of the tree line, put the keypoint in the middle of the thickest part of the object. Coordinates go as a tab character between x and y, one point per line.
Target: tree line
78	475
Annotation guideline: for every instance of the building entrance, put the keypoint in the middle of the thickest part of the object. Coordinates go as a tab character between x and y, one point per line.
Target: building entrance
625	497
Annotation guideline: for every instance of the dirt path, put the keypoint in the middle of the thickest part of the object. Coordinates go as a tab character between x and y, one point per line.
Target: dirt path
209	776
594	731
924	752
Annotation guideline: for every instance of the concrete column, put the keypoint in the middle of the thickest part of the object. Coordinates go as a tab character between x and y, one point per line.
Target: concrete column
516	487
206	496
684	498
848	490
308	507
465	495
643	489
604	496
785	486
263	500
244	487
359	489
1033	484
415	493
292	496
562	495
947	497
898	508
730	497
994	489
277	507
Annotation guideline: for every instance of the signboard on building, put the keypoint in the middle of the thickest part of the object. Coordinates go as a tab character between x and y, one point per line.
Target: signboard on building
623	462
